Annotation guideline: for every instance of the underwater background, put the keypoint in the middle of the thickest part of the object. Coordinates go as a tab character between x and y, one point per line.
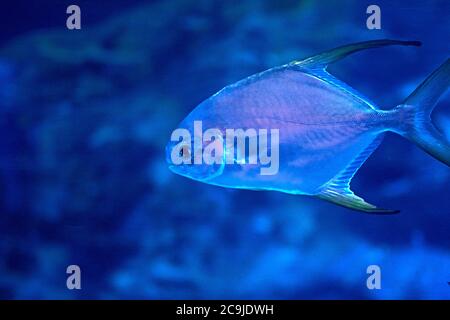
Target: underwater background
85	116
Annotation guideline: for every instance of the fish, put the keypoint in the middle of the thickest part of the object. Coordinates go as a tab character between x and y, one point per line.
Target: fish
326	128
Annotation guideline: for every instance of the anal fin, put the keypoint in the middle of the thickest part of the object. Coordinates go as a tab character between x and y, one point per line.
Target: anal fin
346	198
338	190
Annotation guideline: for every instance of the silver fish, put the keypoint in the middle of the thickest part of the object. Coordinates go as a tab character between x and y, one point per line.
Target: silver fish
327	129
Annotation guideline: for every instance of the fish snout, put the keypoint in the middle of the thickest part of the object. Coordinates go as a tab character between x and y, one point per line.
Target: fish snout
168	151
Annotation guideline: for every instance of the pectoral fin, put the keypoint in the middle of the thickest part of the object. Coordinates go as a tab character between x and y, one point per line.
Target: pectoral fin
338	190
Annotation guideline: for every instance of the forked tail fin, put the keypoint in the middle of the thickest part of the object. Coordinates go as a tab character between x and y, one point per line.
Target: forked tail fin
417	126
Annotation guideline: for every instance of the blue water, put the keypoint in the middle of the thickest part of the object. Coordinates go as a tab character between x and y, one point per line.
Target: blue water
85	116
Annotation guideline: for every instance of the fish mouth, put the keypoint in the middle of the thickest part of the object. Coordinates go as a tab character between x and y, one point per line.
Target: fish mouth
169	161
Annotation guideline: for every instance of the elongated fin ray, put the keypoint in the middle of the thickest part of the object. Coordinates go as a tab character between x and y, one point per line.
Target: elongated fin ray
322	60
338	189
346	198
317	65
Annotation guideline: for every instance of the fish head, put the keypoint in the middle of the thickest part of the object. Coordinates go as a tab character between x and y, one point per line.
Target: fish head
189	154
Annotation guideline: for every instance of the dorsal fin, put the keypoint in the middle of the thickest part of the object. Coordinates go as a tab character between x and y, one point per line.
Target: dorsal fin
327	77
338	190
317	65
322	60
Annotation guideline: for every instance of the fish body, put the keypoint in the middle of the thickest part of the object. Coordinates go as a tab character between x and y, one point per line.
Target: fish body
326	129
322	127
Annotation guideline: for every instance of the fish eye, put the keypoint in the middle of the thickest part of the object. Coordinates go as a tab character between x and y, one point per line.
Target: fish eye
184	152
